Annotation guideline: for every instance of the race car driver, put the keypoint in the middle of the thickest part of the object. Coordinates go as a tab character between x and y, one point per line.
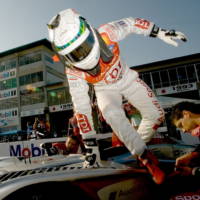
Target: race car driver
93	56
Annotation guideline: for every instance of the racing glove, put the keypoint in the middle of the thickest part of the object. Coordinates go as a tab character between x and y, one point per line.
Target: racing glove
196	132
189	159
184	171
168	36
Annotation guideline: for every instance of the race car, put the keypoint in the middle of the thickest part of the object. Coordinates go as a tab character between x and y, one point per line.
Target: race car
118	177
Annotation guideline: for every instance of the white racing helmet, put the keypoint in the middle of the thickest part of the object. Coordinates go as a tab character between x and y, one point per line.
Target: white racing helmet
75	40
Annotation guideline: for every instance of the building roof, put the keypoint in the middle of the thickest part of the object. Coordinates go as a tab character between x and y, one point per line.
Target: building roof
193	58
44	42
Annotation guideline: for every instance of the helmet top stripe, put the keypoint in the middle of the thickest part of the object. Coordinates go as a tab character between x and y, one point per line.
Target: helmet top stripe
81	31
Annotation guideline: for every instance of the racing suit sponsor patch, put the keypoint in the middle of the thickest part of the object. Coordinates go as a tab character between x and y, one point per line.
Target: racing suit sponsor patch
150	92
114	74
121	23
83	122
161	113
142	23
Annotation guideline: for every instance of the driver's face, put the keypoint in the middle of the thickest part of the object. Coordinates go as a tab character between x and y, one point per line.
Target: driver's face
186	123
72	145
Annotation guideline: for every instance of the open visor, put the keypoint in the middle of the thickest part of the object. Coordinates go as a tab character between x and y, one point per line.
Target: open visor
82	51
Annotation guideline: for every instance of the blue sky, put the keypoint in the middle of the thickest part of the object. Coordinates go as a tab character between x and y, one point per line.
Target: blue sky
24	21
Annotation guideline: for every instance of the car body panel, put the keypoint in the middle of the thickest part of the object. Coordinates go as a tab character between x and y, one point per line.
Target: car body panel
117	177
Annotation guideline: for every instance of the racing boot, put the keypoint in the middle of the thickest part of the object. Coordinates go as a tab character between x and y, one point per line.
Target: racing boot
151	163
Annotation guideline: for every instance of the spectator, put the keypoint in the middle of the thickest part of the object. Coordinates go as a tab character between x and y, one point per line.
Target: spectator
135	118
133	114
186	116
74	125
74	145
29	129
41	128
75	135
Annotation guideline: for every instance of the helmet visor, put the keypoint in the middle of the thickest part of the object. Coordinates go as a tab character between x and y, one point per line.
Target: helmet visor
82	51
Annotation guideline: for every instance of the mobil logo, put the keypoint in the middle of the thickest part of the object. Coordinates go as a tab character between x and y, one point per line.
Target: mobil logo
19	150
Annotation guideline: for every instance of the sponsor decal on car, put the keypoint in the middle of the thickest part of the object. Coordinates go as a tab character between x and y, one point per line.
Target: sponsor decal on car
187	196
116	191
20	151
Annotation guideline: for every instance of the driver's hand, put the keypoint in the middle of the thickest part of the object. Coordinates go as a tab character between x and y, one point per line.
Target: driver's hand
169	36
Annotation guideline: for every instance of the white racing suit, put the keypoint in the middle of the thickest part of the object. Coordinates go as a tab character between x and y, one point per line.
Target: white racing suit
116	80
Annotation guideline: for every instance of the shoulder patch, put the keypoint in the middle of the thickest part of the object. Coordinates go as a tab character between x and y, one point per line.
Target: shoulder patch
142	23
